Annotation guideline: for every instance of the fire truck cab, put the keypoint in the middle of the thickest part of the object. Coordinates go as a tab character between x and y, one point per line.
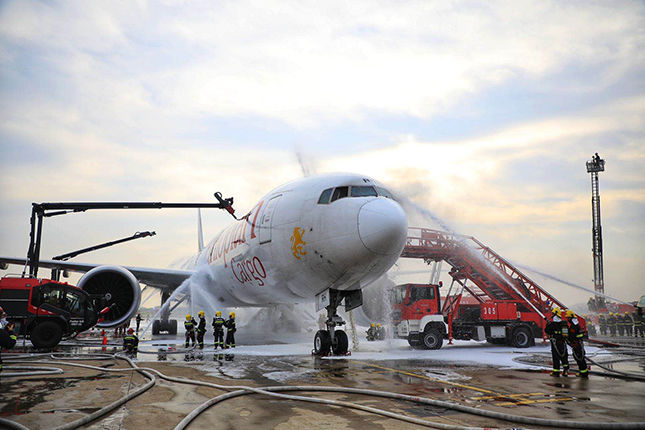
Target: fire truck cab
44	310
417	315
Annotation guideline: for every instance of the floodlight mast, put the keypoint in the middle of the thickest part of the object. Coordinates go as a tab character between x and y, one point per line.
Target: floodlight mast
593	167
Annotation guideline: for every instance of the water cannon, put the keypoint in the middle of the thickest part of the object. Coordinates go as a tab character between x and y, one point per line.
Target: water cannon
226	204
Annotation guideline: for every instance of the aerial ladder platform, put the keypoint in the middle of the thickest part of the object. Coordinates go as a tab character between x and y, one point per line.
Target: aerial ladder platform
480	271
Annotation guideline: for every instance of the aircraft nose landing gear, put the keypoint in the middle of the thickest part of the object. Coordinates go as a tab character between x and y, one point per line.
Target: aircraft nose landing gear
332	340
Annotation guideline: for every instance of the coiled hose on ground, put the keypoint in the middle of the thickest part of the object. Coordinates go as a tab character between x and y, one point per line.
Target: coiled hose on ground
274	392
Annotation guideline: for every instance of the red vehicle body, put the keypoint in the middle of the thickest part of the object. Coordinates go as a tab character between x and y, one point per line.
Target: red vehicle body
44	310
500	303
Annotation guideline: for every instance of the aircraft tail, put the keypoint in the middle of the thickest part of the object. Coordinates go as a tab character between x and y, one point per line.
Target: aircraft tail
200	233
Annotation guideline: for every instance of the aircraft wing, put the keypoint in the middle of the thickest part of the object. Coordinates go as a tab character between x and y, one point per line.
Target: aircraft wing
164	279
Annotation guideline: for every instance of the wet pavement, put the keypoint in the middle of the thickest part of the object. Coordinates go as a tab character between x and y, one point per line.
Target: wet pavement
42	402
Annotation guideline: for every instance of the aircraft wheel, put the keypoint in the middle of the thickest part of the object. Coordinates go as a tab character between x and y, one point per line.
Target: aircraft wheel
342	344
172	326
322	342
432	339
46	335
155	327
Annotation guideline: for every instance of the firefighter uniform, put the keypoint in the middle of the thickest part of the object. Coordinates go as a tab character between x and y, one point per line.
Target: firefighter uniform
7	339
138	319
190	325
639	325
218	330
557	331
131	343
575	340
201	330
230	331
371	332
602	322
591	327
611	323
620	324
629	324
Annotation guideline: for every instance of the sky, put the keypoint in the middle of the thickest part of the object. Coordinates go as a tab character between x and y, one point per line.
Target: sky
484	113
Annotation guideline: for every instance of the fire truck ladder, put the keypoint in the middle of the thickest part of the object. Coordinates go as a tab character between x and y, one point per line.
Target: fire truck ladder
490	275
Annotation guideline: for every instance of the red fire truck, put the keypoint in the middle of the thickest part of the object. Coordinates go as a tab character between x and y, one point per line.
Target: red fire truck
492	299
44	310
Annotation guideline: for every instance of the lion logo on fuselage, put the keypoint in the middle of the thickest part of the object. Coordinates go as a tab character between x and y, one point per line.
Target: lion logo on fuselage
297	243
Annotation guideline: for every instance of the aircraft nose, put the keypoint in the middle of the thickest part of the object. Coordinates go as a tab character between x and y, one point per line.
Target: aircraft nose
382	226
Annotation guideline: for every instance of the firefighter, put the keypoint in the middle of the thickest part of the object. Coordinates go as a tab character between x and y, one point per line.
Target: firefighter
557	330
611	323
131	343
602	322
201	330
380	332
7	338
230	331
629	324
620	324
189	325
371	332
639	324
575	340
591	327
218	330
138	319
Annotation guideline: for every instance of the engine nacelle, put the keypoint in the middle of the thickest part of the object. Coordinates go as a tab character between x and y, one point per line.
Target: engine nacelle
119	289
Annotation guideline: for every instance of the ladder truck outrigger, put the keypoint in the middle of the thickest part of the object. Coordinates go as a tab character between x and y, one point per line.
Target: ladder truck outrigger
504	305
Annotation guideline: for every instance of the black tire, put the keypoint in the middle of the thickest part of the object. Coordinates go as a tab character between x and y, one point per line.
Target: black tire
172	326
414	341
322	342
496	340
341	344
155	327
431	339
46	335
521	337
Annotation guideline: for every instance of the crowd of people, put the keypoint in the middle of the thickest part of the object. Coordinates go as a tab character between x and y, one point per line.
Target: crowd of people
615	324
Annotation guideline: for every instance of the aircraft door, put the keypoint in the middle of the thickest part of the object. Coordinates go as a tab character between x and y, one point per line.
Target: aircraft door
266	220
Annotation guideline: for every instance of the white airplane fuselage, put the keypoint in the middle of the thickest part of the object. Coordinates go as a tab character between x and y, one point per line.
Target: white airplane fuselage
302	238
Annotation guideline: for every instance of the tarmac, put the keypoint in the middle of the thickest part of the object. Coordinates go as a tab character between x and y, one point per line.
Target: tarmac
518	385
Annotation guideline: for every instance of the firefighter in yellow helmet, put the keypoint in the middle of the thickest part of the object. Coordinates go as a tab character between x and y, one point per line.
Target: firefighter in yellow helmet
218	330
611	324
380	331
575	340
201	329
230	331
190	325
557	331
371	332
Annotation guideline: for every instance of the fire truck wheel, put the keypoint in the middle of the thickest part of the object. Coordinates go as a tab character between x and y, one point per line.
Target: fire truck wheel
521	337
414	341
322	342
342	344
432	339
46	335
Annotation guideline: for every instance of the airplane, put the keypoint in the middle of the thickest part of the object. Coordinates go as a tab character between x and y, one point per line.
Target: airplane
320	238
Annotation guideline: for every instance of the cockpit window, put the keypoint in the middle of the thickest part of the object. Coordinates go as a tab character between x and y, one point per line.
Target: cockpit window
385	193
324	197
339	193
363	191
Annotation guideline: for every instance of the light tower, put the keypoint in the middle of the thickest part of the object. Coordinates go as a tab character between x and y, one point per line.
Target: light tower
593	167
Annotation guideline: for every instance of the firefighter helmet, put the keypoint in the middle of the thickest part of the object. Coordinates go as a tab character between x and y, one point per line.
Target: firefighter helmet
570	313
188	317
626	313
201	313
556	311
130	330
232	315
378	324
372	325
218	313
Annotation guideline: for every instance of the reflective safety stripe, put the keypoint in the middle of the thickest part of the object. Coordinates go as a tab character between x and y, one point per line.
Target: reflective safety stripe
13	336
556	370
584	371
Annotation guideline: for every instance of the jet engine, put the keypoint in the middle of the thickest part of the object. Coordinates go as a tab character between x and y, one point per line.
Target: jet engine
113	287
